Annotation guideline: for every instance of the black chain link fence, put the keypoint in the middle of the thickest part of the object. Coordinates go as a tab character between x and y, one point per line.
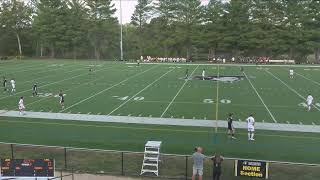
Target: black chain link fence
120	163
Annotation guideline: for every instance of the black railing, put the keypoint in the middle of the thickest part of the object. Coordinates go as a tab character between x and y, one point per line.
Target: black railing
126	163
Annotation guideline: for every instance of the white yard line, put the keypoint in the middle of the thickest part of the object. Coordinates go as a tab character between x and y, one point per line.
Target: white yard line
290	88
255	90
164	112
102	91
52	83
139	92
308	79
90	81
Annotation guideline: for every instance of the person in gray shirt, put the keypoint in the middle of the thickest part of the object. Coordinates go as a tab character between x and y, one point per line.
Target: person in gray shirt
198	159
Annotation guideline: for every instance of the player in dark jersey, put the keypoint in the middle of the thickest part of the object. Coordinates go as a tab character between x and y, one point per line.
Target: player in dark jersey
5	89
231	129
61	96
187	73
35	90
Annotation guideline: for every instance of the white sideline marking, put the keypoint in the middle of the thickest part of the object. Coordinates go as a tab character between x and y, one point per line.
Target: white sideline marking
155	121
260	98
164	112
102	91
291	88
139	92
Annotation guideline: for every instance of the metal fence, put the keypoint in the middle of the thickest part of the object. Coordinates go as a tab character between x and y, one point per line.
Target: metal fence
125	163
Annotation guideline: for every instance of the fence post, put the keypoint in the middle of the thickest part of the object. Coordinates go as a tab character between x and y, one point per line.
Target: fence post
61	174
12	155
186	167
122	170
72	174
65	158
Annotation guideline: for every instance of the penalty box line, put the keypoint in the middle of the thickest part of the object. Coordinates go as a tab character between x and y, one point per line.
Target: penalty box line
164	112
255	90
290	88
102	91
139	92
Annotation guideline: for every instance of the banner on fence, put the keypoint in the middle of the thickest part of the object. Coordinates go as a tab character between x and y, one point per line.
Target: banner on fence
248	168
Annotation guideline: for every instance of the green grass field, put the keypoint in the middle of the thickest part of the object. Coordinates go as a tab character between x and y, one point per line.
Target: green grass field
161	91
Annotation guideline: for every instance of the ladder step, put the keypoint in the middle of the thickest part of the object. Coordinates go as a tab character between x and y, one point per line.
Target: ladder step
150	164
151	158
147	170
151	152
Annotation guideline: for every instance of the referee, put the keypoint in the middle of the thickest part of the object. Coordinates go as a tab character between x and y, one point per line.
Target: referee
231	129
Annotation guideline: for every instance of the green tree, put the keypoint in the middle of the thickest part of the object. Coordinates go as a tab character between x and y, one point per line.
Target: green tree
103	26
15	17
139	18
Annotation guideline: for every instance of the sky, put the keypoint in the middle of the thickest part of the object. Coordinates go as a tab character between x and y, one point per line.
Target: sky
128	7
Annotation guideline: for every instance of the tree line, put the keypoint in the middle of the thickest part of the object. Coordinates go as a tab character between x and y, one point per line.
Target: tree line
88	29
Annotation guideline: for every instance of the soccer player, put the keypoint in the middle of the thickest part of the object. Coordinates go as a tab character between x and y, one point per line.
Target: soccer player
35	90
21	106
61	99
309	101
231	129
203	74
138	62
250	123
291	73
5	84
13	86
241	69
187	73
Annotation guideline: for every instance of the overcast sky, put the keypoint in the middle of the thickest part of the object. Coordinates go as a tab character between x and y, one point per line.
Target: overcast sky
128	7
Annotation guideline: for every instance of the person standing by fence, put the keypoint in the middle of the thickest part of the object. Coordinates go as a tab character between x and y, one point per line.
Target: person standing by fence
217	161
198	159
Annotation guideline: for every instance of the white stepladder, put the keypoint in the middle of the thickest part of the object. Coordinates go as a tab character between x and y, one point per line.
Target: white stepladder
151	158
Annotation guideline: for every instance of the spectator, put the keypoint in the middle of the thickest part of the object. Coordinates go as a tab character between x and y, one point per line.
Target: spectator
217	161
198	159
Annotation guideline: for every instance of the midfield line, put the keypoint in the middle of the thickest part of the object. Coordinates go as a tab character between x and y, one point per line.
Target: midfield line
102	91
50	83
164	112
139	92
290	88
255	90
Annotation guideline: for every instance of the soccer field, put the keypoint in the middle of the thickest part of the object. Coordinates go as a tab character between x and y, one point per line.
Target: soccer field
160	90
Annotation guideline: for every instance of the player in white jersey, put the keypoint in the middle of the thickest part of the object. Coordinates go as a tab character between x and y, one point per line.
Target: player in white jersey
21	106
250	123
291	73
203	74
13	86
309	101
